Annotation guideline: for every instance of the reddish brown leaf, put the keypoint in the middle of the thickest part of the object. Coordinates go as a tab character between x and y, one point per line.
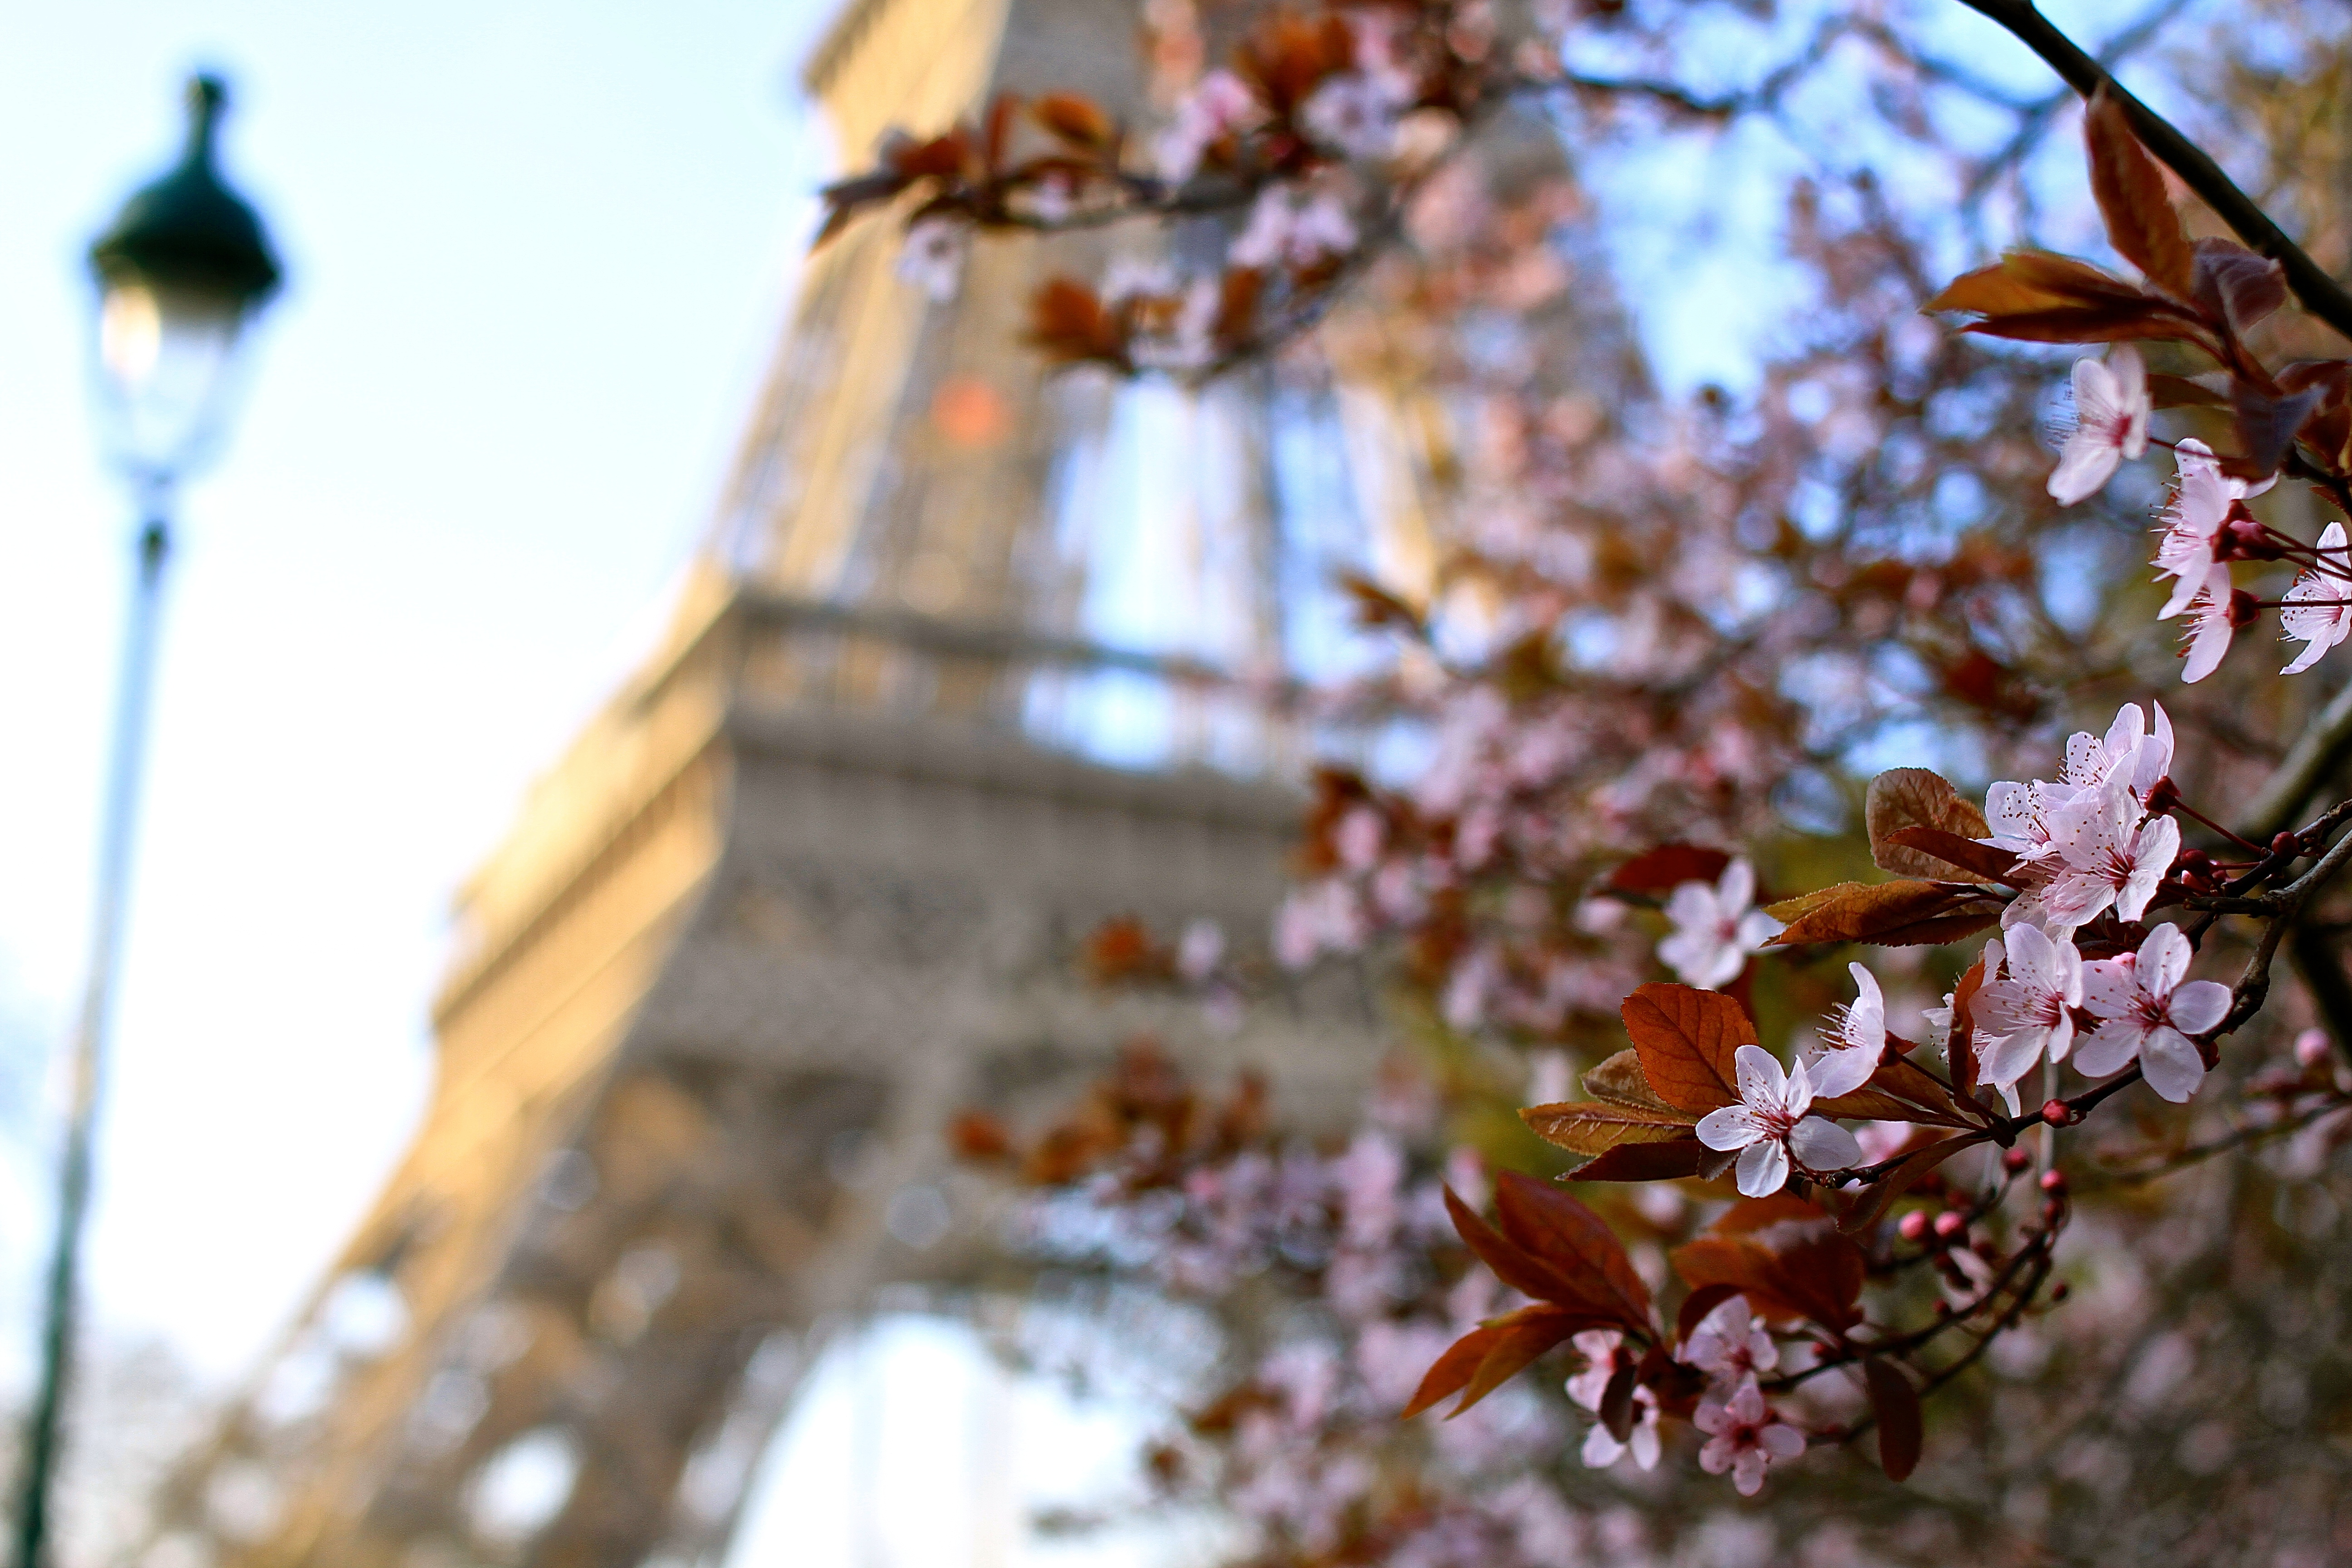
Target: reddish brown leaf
1668	867
2024	282
1686	1038
2266	427
1891	914
1785	1256
1697	1305
1944	852
1616	1410
1074	119
1959	1047
1575	1243
1619	1080
2236	285
2129	186
1375	606
1068	324
1684	1157
977	1136
1575	1289
1897	1403
1597	1126
1483	1359
1904	798
2151	322
2179	392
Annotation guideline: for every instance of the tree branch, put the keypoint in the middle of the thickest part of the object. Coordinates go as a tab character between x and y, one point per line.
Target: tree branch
2320	294
2318	752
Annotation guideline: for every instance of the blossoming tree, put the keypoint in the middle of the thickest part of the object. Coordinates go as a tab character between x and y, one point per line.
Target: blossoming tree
1813	1203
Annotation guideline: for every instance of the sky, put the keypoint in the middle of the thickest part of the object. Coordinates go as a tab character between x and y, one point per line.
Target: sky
536	253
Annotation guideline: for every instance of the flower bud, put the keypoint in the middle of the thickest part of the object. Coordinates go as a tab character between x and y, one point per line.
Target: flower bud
2311	1047
2015	1160
1912	1226
2056	1112
2053	1181
2060	1291
2285	843
1950	1225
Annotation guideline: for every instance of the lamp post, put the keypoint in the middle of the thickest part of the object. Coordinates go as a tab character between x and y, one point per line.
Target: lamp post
180	272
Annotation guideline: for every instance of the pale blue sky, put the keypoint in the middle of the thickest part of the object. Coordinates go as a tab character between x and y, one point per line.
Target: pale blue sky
536	253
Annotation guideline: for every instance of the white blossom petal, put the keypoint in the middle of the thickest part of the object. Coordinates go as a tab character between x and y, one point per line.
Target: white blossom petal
1822	1145
1763	1168
2170	1063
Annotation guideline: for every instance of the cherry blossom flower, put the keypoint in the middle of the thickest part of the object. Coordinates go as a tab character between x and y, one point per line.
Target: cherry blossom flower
2148	1012
1731	1346
1287	230
932	259
1589	1387
2019	816
1853	1041
2188	544
1770	1129
2212	624
2027	1013
1746	1438
1602	1449
2319	610
1356	112
2129	751
1218	105
2111	409
2111	857
1714	928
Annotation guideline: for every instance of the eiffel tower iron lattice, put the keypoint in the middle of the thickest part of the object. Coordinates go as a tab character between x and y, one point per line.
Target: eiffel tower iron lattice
806	887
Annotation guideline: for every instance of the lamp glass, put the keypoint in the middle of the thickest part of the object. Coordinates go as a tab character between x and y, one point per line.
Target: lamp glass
165	359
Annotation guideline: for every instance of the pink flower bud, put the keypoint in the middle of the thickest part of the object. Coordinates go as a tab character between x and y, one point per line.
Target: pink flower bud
1950	1225
2311	1047
1913	1225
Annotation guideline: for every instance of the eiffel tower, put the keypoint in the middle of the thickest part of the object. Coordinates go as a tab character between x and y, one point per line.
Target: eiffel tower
806	887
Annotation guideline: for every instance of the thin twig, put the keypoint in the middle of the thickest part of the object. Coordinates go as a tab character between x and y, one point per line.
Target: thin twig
2320	294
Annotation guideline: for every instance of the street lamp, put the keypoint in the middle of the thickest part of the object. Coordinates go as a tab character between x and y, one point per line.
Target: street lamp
180	272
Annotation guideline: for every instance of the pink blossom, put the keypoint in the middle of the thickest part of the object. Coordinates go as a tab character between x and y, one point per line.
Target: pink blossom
1854	1042
1356	112
1599	1349
931	258
2319	610
2027	1013
1770	1129
2111	409
2110	856
2019	816
2211	626
2148	1011
1200	950
2129	751
1218	105
1746	1438
1731	1346
1602	1449
1285	230
2190	542
1714	928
